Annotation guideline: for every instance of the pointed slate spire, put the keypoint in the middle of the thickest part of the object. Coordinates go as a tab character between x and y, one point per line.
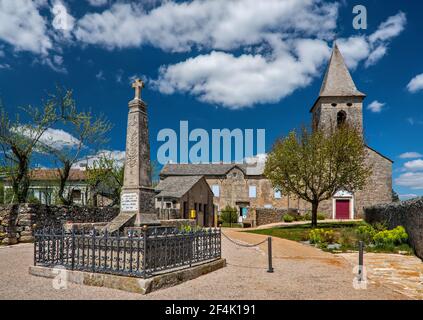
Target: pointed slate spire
338	81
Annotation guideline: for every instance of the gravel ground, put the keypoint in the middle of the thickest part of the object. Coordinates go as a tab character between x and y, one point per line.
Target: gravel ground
301	272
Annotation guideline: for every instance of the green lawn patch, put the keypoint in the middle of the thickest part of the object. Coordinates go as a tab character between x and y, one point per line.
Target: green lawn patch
346	235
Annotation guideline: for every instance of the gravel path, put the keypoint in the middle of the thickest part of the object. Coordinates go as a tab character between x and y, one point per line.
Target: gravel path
301	272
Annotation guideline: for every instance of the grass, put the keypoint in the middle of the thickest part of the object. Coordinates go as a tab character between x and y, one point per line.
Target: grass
300	232
344	233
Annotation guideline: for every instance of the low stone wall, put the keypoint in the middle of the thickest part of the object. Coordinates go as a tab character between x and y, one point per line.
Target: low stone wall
266	216
17	222
408	214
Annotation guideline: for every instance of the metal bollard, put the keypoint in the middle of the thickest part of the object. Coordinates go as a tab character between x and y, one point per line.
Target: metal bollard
269	254
360	260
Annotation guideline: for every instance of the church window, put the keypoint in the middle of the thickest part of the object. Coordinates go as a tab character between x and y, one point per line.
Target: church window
341	118
334	104
349	104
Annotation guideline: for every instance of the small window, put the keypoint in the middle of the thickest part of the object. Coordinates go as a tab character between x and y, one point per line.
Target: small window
349	104
277	194
341	118
252	191
334	104
216	190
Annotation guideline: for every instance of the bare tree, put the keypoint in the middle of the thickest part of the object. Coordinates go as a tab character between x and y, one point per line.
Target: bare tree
88	133
18	141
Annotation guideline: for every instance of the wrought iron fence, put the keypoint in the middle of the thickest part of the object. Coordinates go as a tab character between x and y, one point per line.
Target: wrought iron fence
141	254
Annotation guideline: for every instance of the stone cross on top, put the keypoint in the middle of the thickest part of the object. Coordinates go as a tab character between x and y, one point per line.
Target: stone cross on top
138	85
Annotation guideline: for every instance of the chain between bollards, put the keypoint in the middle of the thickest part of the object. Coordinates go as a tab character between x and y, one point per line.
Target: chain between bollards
269	254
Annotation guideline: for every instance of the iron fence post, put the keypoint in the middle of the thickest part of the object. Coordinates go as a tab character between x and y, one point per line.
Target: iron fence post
93	249
35	247
269	254
73	247
144	254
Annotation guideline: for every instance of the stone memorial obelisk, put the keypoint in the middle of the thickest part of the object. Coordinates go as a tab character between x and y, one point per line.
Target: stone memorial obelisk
137	198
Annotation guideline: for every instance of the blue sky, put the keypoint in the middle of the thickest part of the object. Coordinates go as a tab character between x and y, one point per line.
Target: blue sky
221	64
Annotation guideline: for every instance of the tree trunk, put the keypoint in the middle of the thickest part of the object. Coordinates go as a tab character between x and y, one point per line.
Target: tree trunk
64	175
314	207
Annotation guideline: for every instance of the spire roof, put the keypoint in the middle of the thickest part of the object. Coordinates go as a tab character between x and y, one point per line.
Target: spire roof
338	81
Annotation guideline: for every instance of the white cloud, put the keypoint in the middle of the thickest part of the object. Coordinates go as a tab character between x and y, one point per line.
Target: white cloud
389	29
416	84
97	3
376	106
262	77
213	24
22	26
408	196
118	156
100	75
59	139
410	155
245	80
54	138
414	165
354	50
413	180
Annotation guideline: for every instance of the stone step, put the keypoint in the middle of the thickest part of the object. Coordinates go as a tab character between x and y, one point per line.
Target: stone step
119	222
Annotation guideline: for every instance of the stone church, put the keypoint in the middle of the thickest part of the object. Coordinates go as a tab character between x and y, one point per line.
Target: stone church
339	101
248	190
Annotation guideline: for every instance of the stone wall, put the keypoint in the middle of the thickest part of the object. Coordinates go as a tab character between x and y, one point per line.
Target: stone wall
265	216
17	222
408	214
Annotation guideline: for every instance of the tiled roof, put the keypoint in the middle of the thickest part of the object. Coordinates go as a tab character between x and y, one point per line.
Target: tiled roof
176	186
213	169
52	174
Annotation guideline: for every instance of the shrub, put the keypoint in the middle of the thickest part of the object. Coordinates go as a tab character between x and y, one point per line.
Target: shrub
366	233
348	237
322	236
391	237
288	218
320	216
229	215
299	218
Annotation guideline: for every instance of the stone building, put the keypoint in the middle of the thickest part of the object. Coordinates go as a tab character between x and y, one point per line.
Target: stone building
178	195
339	101
242	186
44	187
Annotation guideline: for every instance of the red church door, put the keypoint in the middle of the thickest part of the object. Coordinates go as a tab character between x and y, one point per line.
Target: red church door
342	209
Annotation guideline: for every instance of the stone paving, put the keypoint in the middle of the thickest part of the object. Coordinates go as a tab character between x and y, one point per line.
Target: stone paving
301	272
402	273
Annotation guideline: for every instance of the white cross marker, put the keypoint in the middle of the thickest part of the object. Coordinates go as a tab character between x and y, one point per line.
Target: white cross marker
138	85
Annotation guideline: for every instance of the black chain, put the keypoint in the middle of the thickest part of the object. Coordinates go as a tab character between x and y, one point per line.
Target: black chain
243	245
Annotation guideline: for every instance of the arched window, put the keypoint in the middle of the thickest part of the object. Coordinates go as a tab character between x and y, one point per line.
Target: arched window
341	118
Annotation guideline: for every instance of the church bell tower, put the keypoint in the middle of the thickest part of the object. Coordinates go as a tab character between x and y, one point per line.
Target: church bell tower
339	100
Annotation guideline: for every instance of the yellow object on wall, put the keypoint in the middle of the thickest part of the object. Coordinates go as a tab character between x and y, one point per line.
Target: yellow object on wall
193	214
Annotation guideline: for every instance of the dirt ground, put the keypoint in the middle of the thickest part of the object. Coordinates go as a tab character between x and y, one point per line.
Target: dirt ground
300	272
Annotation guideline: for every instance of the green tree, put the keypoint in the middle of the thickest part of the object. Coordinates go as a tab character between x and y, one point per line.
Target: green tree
105	178
315	164
19	140
88	132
